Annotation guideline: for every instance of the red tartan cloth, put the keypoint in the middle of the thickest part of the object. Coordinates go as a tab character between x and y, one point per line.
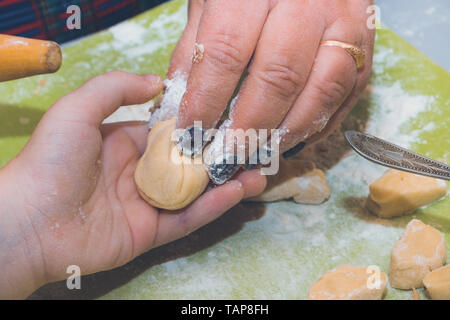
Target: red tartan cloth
46	19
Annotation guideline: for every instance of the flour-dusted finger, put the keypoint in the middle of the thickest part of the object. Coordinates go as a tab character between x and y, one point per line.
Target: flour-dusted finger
366	43
181	59
226	38
280	67
331	81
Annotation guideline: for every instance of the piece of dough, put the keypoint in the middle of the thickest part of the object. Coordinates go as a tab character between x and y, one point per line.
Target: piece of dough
397	193
349	283
165	178
437	283
296	179
420	250
415	294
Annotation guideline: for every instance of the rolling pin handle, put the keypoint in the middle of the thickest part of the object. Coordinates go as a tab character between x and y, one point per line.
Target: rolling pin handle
23	57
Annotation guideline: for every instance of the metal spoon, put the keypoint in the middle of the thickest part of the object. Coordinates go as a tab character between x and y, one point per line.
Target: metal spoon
390	155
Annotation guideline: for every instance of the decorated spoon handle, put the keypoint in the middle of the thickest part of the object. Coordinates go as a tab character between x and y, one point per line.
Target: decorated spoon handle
390	155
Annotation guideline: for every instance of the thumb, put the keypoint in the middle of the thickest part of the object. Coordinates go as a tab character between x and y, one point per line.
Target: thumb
102	95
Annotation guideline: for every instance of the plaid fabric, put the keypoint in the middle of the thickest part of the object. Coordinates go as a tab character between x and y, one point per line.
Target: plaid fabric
46	19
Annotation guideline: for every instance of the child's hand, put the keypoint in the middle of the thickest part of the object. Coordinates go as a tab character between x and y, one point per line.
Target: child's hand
69	197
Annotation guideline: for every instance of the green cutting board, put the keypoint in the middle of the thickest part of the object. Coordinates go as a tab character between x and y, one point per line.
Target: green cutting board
254	251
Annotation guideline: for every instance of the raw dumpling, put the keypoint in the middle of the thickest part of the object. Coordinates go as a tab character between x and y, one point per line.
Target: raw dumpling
397	193
164	177
297	179
437	283
349	283
420	250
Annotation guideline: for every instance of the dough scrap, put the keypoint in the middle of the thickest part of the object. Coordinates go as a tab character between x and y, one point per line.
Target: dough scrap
165	178
437	283
397	193
415	294
420	250
297	179
349	283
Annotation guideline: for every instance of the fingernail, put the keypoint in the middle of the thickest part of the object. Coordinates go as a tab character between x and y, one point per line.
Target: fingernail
223	171
254	163
293	151
251	166
192	141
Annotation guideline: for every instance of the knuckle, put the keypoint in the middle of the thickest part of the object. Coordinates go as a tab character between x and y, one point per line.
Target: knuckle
281	79
331	92
223	52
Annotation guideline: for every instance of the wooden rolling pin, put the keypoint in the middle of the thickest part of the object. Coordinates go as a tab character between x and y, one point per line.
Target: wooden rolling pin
23	57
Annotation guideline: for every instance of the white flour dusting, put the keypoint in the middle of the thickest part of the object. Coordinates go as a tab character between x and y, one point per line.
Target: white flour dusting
134	39
170	104
385	58
280	254
127	33
166	28
15	42
395	109
232	104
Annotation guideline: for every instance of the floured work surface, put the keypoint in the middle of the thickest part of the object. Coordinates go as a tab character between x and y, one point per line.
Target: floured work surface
259	251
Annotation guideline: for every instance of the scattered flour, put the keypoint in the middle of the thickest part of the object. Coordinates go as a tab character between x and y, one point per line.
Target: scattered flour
170	104
395	109
282	253
82	214
232	104
127	33
135	40
16	42
385	58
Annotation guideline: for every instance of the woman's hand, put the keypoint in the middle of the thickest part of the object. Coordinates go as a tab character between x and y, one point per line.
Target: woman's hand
69	197
294	83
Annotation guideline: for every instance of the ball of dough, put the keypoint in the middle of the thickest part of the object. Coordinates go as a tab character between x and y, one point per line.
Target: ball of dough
437	283
297	179
164	177
397	193
420	250
349	283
